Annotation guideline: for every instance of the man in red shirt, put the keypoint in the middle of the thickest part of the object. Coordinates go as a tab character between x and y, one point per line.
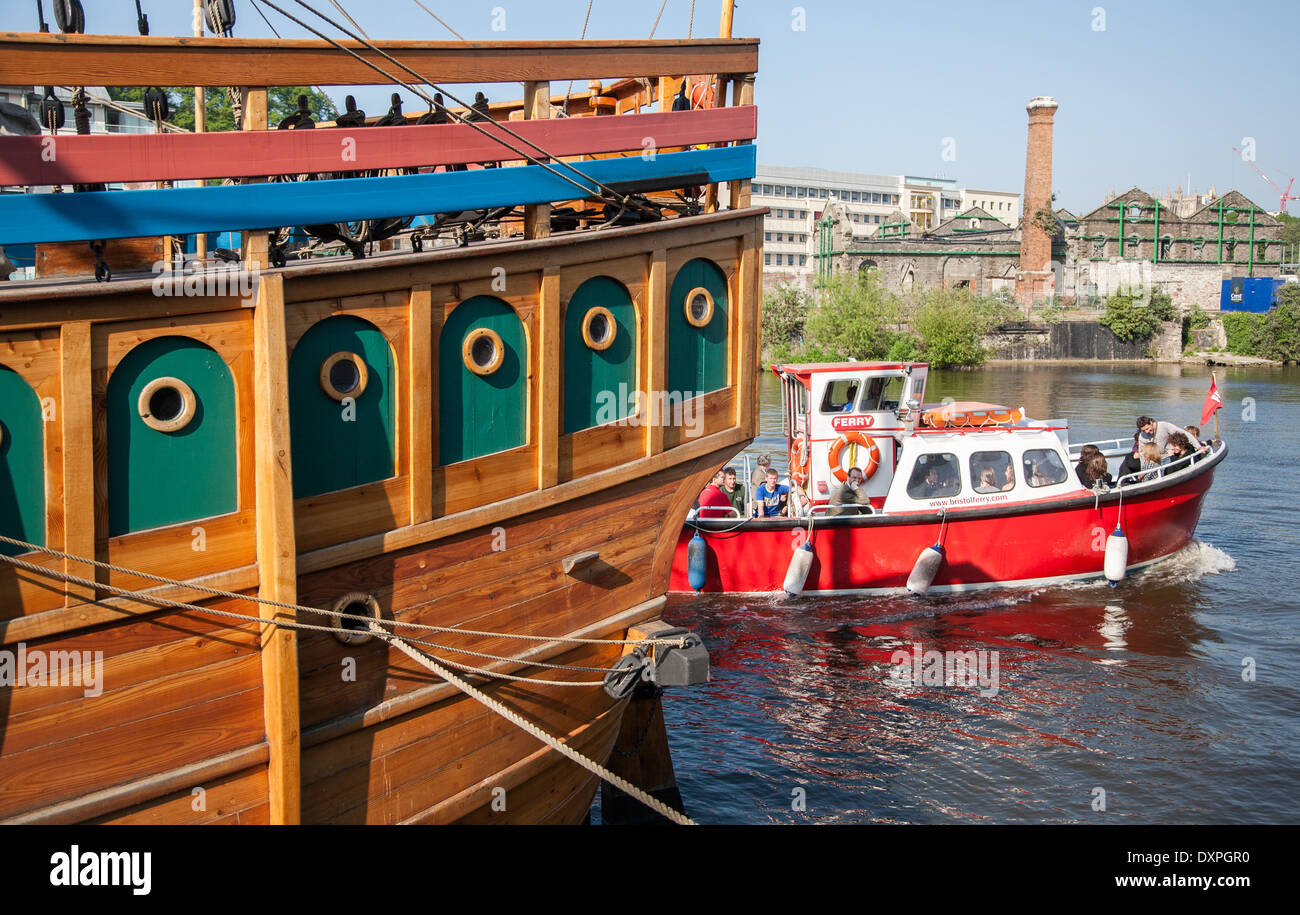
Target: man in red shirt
713	501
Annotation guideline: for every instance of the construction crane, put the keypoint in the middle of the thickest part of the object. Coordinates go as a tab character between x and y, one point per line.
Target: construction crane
1284	195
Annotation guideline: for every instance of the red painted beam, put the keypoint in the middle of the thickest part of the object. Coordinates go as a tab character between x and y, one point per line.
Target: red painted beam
70	159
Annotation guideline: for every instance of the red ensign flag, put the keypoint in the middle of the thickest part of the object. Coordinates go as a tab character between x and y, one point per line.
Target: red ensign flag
1212	402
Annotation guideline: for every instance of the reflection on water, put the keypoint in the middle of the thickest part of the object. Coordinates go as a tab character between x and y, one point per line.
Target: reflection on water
1137	690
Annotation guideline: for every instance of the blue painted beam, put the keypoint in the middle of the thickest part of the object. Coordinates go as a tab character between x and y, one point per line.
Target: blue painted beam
183	211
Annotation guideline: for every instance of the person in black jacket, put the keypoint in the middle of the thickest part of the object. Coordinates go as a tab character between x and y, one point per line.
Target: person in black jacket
1086	454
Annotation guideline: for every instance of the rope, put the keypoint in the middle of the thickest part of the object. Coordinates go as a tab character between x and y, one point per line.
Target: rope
615	195
310	627
338	6
655	28
302	608
524	724
585	20
690	26
435	16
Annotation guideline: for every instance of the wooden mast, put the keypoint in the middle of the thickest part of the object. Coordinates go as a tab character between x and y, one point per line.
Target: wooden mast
200	122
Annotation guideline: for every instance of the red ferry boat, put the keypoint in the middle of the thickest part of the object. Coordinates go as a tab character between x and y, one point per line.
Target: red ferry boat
963	496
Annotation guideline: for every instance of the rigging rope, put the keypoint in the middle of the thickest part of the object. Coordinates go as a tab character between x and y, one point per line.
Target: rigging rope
585	20
302	608
587	192
655	27
550	740
435	16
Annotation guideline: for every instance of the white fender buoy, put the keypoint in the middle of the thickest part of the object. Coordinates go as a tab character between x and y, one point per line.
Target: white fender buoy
1116	565
926	567
800	565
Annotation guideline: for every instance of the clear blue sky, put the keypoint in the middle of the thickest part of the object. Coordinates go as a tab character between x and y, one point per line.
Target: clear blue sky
1164	90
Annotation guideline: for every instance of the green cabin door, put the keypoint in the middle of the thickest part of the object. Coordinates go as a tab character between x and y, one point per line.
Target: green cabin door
156	478
697	356
22	463
481	413
342	408
599	383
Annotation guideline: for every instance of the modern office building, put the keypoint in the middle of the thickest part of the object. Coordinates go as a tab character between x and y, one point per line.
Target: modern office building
798	196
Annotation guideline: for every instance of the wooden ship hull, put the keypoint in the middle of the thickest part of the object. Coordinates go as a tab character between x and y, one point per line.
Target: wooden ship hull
420	486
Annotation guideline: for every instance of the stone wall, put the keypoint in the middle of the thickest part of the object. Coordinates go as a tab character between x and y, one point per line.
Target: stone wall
1186	284
1085	340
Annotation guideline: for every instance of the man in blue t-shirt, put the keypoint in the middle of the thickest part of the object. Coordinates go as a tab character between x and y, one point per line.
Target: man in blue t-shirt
772	497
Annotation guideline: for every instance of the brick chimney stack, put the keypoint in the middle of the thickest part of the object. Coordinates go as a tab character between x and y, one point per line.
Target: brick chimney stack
1035	278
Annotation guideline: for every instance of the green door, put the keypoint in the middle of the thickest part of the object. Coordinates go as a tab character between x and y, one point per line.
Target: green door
158	477
341	419
600	366
22	463
486	411
697	356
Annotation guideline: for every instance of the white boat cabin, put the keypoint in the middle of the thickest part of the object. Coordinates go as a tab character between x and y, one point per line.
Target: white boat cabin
973	468
847	414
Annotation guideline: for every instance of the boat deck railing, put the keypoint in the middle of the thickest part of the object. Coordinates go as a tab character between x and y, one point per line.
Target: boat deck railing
1173	468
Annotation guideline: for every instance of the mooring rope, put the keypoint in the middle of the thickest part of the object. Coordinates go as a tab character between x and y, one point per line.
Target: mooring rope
524	724
302	608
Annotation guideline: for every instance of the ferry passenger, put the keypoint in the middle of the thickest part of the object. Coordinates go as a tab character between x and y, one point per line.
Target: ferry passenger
1180	446
1157	432
1086	454
1195	433
733	490
851	498
1098	472
713	501
988	481
773	498
1149	455
759	473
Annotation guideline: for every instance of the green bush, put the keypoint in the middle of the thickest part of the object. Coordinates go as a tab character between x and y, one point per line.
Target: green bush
785	311
1128	320
853	319
950	323
1197	319
1242	330
904	347
1279	334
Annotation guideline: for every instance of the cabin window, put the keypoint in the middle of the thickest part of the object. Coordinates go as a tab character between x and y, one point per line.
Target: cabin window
1043	467
598	328
840	395
935	476
990	471
882	393
483	351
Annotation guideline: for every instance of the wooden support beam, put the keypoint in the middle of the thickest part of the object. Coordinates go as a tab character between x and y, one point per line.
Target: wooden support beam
749	294
104	60
537	107
276	550
656	353
420	369
254	244
75	409
578	560
741	188
550	369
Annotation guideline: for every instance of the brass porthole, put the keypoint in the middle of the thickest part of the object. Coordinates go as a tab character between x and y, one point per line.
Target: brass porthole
699	307
599	328
166	404
352	612
483	351
343	374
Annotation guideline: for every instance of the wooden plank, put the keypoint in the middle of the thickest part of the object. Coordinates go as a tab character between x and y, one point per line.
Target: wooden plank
740	189
537	107
239	154
276	552
550	370
222	799
103	60
255	245
76	407
420	416
187	210
77	259
748	287
656	352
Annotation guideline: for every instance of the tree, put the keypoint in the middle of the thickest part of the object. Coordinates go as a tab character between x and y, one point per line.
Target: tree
785	310
281	101
855	318
1290	228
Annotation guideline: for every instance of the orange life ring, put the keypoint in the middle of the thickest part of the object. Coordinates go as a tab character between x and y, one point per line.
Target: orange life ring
799	459
700	91
853	438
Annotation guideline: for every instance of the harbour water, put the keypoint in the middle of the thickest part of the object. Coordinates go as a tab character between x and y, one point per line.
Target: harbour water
1170	699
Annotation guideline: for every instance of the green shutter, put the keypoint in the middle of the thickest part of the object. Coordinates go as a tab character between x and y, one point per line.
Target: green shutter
481	414
160	478
338	444
22	463
599	385
697	356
